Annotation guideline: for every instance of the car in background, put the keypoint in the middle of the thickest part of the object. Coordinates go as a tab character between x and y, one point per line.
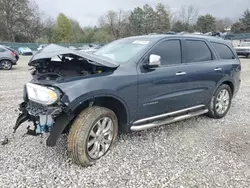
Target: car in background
14	51
92	50
25	51
8	57
243	49
197	33
41	46
84	48
73	48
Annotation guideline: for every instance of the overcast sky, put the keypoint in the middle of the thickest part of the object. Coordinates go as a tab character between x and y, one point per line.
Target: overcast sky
87	12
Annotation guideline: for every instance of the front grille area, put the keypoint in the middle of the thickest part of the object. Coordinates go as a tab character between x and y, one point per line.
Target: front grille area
36	109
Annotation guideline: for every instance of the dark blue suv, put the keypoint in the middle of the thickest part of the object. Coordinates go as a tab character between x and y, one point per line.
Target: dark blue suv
131	84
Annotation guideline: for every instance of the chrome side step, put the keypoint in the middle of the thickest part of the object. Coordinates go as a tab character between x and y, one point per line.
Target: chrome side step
168	114
166	121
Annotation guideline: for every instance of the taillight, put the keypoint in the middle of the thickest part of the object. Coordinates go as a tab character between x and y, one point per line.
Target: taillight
12	53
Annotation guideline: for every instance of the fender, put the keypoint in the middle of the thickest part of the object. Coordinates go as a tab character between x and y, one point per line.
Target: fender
72	106
6	58
225	79
64	119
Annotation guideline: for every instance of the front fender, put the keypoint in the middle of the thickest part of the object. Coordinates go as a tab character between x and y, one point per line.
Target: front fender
73	105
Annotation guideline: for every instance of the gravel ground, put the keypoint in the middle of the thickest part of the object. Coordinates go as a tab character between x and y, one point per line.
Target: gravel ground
199	152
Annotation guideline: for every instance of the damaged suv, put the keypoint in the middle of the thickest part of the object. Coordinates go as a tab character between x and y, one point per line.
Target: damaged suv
131	84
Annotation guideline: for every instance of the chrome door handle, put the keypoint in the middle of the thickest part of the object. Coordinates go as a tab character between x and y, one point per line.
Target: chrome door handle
217	69
180	73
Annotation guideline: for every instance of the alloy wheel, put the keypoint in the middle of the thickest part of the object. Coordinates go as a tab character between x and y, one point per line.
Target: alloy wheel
100	138
222	101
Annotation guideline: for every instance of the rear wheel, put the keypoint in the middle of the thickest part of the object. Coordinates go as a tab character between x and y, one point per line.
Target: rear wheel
220	102
92	134
6	64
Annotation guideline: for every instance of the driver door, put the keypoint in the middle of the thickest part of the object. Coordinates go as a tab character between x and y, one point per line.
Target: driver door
162	89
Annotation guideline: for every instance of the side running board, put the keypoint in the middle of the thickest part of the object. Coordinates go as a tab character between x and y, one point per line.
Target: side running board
166	121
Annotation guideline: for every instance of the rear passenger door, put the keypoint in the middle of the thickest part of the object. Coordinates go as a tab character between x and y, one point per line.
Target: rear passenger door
203	70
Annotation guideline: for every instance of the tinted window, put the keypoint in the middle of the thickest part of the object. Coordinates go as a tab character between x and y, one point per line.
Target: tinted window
198	51
223	51
170	52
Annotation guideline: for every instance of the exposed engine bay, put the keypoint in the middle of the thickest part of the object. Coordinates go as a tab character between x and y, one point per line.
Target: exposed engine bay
65	66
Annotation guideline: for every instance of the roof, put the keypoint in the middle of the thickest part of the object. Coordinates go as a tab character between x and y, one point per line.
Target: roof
161	36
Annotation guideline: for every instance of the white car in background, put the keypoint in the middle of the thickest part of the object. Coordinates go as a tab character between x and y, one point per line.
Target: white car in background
243	49
40	47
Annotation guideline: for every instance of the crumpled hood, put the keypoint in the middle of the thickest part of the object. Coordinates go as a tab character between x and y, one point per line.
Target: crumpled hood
53	50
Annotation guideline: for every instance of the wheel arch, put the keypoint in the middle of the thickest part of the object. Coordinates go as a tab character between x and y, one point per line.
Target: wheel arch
6	58
227	81
110	101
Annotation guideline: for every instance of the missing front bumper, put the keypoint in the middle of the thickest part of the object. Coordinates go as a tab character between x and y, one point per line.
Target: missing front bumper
45	120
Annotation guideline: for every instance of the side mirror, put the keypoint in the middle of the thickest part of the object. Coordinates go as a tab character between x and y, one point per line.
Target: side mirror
154	61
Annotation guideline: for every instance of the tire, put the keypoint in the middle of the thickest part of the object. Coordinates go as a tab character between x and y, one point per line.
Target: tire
80	134
214	112
6	64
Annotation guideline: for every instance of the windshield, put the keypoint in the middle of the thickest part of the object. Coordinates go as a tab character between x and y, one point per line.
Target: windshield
124	49
245	44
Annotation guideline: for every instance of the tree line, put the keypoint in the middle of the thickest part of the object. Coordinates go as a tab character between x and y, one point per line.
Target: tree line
22	21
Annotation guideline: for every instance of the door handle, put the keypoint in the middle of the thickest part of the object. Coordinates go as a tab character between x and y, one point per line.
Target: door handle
218	69
180	73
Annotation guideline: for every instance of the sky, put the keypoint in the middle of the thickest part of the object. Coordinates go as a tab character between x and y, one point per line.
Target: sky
87	12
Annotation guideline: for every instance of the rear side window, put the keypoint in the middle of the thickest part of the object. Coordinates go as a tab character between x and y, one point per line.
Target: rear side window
170	52
223	50
198	51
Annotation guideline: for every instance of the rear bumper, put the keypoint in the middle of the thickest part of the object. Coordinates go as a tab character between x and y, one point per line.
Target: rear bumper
14	62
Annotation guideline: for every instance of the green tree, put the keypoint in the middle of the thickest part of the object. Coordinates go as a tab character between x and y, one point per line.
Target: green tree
136	21
149	18
206	23
63	30
245	20
178	26
13	16
77	30
238	27
101	35
162	18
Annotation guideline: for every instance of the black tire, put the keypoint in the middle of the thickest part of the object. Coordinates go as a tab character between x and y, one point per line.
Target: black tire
6	64
79	134
212	106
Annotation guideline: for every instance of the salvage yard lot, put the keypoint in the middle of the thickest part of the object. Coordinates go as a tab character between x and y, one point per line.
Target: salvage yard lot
199	152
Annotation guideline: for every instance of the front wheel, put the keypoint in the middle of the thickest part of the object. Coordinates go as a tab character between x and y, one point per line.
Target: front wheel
92	134
220	102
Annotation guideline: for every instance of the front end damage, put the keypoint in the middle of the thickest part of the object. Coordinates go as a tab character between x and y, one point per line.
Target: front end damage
45	119
42	101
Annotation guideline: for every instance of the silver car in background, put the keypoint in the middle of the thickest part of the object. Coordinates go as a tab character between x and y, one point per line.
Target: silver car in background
8	57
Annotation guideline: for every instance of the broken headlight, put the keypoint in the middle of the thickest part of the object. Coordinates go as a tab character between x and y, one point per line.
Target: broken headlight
42	94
